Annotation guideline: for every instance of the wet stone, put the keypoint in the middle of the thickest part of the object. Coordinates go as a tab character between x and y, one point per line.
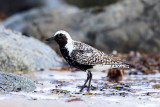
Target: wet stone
11	82
59	91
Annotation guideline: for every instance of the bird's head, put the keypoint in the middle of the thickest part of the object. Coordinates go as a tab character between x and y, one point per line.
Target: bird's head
61	37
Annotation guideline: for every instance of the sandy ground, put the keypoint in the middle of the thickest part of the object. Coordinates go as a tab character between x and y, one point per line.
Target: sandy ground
46	96
20	101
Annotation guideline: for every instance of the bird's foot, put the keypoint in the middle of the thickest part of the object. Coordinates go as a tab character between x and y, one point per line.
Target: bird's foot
88	89
82	87
80	90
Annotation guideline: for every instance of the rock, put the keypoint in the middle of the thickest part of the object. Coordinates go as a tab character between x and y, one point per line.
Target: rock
127	37
11	82
123	26
21	53
11	7
41	32
24	18
150	2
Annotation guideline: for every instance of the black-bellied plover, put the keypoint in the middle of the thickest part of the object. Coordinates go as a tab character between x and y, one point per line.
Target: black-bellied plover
83	56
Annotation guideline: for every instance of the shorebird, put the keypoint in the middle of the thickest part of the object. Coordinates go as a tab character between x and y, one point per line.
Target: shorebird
83	56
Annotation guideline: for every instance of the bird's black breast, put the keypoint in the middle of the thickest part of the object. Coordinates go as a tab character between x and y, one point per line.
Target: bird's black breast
72	62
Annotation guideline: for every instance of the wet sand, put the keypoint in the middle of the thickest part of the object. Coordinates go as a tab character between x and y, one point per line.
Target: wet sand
60	89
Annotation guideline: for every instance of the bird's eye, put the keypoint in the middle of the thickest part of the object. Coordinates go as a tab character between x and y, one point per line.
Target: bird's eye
60	35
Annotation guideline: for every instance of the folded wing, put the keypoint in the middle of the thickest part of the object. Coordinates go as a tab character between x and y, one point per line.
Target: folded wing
87	55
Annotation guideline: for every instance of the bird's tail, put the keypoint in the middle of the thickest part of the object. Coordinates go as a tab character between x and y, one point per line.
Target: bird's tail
128	63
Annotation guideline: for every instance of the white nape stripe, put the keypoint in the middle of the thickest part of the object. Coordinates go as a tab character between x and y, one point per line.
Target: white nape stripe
69	44
69	47
65	33
61	31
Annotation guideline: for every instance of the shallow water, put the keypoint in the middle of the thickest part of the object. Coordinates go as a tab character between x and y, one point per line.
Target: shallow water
63	88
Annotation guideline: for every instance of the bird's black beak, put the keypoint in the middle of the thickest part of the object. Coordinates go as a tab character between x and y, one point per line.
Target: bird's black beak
50	39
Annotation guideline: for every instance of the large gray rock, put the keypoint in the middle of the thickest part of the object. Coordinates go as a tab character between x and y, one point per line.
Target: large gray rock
123	26
11	82
21	53
33	20
26	17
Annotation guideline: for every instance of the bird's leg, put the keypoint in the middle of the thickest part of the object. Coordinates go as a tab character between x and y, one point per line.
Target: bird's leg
88	76
89	85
